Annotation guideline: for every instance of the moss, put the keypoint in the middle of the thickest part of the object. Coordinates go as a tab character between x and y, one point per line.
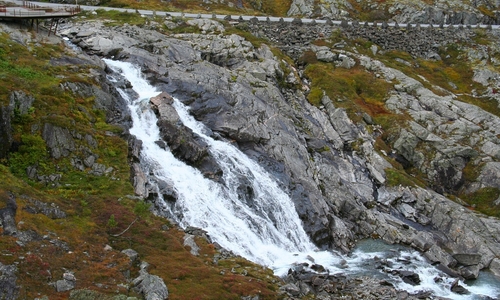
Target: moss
354	89
32	152
483	200
399	177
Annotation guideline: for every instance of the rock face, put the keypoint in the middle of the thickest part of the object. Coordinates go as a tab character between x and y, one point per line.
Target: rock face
326	162
450	12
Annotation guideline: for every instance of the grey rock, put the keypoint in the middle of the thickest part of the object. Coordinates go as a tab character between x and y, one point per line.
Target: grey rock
132	254
98	170
64	285
9	290
21	102
67	283
467	259
191	243
206	25
89	161
490	175
50	210
483	76
470	272
336	189
291	289
150	286
139	180
59	140
423	241
495	266
182	141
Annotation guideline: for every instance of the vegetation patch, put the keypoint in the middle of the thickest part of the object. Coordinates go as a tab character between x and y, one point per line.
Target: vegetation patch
354	89
397	177
483	201
98	210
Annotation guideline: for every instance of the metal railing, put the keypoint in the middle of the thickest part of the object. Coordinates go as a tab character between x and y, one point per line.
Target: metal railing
29	9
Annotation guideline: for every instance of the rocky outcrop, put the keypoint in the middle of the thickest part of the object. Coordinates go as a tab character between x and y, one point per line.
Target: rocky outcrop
182	141
20	104
325	162
8	287
50	210
451	12
150	286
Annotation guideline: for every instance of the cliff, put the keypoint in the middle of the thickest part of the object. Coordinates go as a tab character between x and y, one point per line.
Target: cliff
373	132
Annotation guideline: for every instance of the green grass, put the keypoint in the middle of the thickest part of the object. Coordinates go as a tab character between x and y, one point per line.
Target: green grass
483	201
90	201
354	89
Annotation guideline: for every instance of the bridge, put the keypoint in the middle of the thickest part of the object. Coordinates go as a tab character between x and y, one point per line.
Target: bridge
33	12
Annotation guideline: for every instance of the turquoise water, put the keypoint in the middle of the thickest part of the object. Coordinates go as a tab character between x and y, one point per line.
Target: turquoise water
366	259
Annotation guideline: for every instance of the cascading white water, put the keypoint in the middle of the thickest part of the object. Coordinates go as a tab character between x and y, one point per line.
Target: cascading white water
266	228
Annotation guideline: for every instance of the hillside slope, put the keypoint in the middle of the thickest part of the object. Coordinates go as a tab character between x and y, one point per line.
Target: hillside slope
372	133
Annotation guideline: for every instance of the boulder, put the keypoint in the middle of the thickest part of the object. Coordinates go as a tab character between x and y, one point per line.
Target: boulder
150	286
466	259
407	276
132	254
67	283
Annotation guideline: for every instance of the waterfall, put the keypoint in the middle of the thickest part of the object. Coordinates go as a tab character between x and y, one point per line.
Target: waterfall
263	227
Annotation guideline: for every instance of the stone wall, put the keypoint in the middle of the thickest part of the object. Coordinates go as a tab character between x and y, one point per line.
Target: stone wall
414	39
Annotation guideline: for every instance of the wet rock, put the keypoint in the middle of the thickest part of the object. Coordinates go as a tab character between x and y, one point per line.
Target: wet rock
458	289
182	141
408	276
139	180
470	272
